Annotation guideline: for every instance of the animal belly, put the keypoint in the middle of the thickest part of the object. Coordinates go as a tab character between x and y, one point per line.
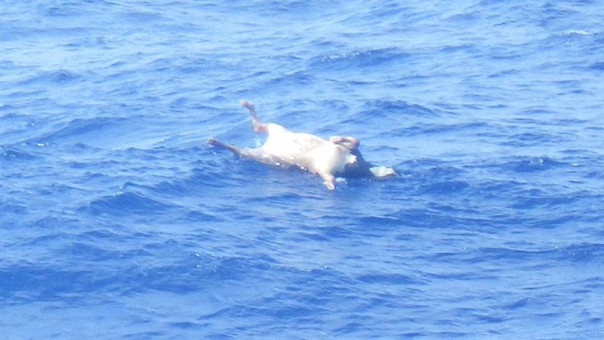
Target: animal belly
306	151
290	146
329	159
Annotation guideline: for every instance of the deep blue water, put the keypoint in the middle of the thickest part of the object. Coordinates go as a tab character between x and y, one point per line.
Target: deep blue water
117	220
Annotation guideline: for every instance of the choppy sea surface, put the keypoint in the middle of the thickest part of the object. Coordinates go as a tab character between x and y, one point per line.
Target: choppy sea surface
119	222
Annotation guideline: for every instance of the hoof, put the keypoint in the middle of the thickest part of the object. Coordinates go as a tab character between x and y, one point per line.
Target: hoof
213	141
246	103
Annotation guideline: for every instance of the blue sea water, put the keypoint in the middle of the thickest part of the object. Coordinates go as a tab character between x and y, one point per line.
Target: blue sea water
118	222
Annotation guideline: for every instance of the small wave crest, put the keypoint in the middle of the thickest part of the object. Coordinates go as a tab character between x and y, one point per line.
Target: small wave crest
58	77
533	164
11	155
359	59
126	203
79	127
390	107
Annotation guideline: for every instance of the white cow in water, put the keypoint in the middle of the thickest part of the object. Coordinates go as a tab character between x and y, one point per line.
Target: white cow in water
337	157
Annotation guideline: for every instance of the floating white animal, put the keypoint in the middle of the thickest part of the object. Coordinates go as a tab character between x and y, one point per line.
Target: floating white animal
337	157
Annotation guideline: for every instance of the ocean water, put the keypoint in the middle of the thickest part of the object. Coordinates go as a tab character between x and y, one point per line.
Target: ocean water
119	222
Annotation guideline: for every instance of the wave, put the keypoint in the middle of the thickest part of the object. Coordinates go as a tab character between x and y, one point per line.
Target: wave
78	127
419	218
445	188
135	275
358	60
583	253
58	77
379	108
533	164
598	66
127	203
12	155
106	132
